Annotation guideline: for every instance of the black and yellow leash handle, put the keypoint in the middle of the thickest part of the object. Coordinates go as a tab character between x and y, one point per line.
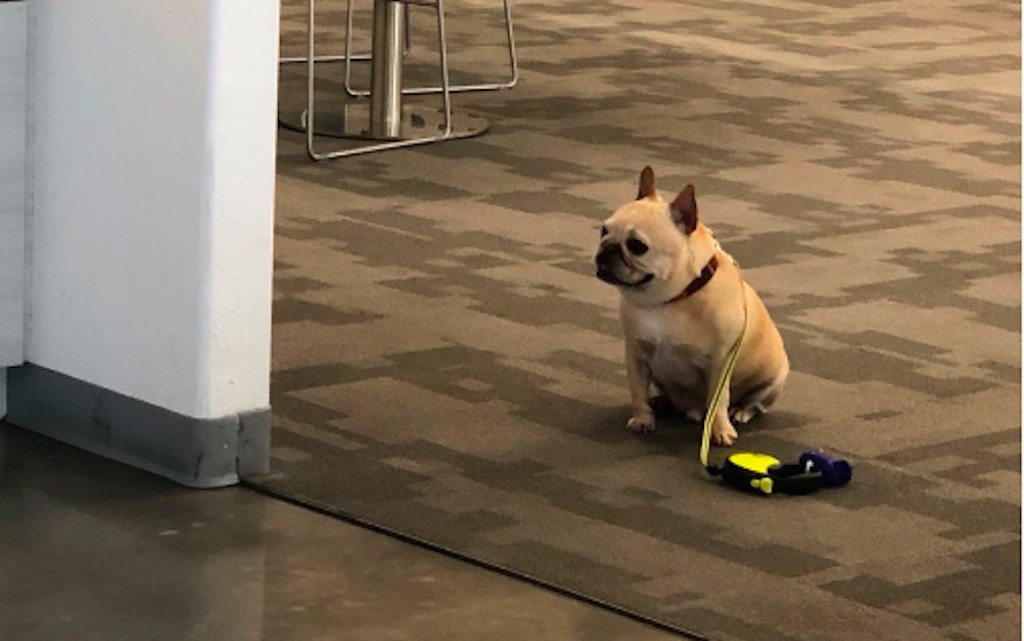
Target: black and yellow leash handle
761	473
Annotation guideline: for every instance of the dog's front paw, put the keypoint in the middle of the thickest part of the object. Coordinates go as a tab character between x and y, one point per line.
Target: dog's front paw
723	433
641	424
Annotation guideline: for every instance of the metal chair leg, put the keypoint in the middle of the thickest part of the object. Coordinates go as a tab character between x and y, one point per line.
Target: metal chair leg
513	64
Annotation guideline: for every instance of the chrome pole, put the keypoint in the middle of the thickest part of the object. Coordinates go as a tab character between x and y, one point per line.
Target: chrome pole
386	70
310	78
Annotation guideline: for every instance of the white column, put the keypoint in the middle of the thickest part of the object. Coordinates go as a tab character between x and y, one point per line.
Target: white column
152	184
13	32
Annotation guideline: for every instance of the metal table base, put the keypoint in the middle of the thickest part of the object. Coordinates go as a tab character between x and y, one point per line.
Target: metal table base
353	122
385	123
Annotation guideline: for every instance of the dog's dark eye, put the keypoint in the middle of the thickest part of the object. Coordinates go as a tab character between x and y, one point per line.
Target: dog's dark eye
604	231
636	246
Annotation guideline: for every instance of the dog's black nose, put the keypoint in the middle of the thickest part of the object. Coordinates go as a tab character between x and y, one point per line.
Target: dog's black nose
606	253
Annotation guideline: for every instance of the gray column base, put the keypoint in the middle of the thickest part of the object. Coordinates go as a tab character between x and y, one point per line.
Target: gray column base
199	453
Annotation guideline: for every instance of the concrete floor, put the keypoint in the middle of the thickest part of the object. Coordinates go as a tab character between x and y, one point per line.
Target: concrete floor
94	550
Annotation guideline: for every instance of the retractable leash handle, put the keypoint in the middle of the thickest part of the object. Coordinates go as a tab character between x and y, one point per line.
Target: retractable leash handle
762	473
767	475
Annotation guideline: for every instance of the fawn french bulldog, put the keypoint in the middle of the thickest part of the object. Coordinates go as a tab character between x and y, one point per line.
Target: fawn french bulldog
683	305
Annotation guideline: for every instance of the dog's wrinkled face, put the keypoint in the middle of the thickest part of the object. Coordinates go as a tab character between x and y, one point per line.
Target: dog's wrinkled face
644	246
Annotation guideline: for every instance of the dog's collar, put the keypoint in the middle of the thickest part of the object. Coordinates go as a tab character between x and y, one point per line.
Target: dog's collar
698	283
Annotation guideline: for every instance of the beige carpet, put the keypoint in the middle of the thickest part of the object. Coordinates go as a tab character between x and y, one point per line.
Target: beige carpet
447	366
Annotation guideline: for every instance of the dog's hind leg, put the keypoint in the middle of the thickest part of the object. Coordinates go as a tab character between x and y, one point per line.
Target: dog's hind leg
757	400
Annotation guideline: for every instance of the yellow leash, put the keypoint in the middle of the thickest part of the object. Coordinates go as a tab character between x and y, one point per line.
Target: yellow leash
724	379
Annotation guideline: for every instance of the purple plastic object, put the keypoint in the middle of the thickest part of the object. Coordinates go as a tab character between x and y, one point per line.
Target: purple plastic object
835	471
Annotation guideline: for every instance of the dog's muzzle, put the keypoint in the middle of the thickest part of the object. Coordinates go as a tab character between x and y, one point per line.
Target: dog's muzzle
612	267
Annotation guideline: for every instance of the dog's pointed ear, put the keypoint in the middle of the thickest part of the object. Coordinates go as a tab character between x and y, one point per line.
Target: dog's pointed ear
646	183
684	210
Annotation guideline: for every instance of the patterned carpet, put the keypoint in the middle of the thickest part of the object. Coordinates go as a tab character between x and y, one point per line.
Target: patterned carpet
445	363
